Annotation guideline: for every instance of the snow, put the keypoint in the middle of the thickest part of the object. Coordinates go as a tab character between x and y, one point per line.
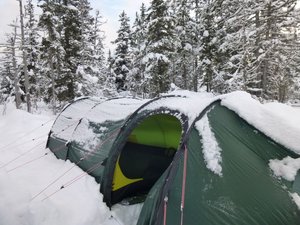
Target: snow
26	194
71	7
186	102
156	57
205	33
91	79
296	199
111	110
31	177
70	116
211	149
286	168
188	47
119	109
206	61
278	121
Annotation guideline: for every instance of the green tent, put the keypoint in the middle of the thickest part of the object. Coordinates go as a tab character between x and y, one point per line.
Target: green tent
201	165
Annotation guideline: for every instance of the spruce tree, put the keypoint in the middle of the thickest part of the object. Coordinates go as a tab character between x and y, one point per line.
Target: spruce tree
159	47
71	38
184	43
138	83
91	69
52	52
98	59
61	48
24	58
122	62
10	70
33	50
270	73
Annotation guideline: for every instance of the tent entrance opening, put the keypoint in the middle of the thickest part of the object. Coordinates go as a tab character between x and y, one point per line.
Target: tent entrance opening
149	150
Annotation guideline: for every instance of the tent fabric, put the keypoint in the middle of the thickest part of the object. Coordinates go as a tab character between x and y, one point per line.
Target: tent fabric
145	151
88	142
66	122
246	193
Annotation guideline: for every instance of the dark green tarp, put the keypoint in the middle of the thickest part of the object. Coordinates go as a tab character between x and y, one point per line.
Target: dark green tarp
144	154
246	193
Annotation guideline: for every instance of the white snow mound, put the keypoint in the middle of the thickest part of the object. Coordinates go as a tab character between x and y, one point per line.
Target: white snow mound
278	121
286	168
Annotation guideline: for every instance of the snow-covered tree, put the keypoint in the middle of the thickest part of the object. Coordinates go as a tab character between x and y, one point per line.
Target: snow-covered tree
159	47
10	72
231	20
122	61
52	51
68	83
269	72
137	83
63	39
91	69
33	51
184	41
24	57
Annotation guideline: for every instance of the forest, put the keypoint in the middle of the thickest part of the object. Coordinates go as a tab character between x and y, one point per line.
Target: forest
216	46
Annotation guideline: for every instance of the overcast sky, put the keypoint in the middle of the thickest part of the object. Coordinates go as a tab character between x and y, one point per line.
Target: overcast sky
110	10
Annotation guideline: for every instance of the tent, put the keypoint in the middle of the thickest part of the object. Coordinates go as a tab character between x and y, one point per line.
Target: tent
192	158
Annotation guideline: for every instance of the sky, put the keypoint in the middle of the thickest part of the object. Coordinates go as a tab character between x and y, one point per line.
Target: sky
109	9
8	12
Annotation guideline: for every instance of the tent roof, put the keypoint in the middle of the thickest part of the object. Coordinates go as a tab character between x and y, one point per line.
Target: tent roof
268	118
69	117
265	117
110	110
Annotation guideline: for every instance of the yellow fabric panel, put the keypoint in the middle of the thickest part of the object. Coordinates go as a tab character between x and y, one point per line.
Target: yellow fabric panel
119	179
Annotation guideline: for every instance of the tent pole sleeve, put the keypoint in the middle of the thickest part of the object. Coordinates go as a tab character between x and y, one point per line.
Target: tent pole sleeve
183	184
165	210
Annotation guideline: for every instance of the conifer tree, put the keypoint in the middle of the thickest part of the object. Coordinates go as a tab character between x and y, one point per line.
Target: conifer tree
10	73
91	69
52	52
24	58
63	39
71	39
33	50
159	47
269	72
99	60
138	82
122	62
184	43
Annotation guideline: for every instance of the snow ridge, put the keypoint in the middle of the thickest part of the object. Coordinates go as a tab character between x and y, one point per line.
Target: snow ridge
296	199
278	121
211	149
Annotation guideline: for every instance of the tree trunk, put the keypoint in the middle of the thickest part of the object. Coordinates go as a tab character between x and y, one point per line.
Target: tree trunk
24	56
195	75
52	83
265	68
14	62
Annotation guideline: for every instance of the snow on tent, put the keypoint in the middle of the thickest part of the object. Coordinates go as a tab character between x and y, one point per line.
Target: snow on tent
195	158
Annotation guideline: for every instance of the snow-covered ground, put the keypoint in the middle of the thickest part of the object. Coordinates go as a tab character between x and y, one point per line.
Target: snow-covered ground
31	180
31	177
